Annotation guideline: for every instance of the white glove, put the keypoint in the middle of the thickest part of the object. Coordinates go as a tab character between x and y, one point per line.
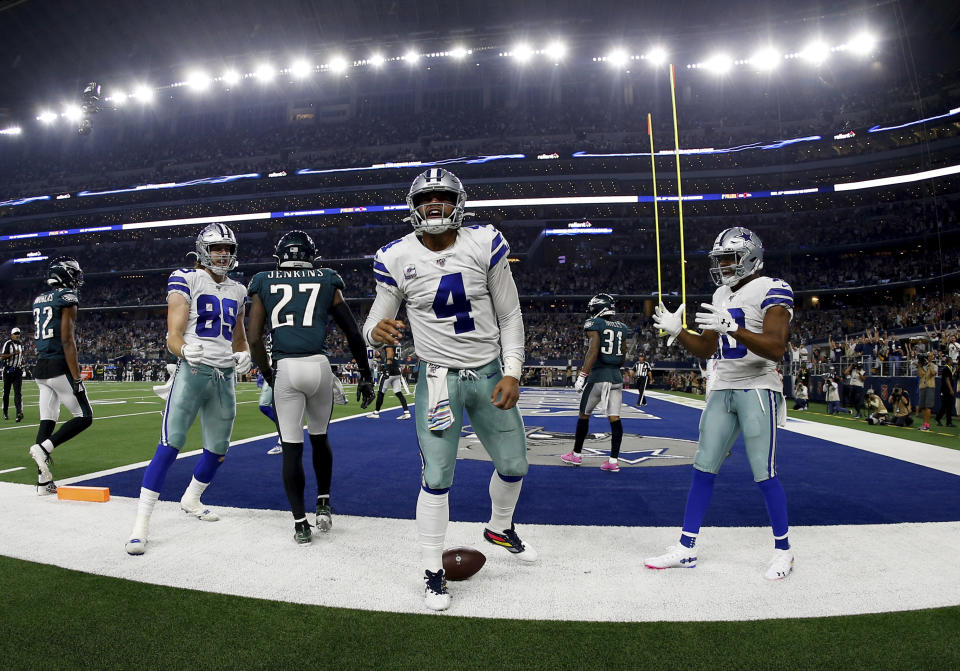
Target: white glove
581	381
715	319
671	322
339	396
242	363
192	354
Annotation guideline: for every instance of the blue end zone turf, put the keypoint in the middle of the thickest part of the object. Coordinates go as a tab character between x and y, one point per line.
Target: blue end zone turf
377	473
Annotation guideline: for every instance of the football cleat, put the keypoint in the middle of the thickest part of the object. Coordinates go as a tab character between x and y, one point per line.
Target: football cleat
780	565
46	488
404	415
42	459
301	532
571	458
198	510
19	417
676	556
510	541
374	415
435	594
610	466
324	515
136	546
276	449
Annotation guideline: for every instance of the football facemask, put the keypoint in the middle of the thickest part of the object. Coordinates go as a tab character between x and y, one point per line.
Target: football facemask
65	271
601	305
737	253
210	236
436	217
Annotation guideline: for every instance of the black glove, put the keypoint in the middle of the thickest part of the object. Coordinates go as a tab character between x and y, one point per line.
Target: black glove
267	376
365	393
77	386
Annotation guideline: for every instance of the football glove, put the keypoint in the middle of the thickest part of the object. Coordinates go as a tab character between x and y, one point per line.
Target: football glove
77	385
715	319
339	396
670	322
192	354
365	392
581	381
242	362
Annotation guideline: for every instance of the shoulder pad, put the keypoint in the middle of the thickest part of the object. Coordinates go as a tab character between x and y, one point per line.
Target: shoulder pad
391	244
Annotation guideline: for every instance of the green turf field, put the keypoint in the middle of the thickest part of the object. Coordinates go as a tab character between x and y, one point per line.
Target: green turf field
64	619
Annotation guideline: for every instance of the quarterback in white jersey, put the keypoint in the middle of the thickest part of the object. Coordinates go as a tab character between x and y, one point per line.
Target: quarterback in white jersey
464	312
745	329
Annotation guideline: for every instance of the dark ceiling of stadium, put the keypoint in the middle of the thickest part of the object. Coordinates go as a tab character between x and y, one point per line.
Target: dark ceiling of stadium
48	48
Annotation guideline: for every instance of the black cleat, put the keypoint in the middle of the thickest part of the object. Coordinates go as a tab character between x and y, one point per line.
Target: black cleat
301	532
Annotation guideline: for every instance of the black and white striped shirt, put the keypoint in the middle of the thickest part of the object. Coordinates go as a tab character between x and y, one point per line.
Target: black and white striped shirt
15	348
642	370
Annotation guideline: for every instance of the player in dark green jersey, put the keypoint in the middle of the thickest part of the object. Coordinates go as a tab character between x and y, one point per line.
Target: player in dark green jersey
600	378
295	303
391	378
57	371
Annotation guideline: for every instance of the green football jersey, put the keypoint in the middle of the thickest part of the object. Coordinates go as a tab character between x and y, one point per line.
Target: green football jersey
47	311
298	308
613	336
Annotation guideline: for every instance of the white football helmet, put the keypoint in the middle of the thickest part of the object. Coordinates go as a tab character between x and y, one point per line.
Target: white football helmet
216	234
746	251
430	181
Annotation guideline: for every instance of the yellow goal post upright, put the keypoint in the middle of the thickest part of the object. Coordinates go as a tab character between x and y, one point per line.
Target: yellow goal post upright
676	143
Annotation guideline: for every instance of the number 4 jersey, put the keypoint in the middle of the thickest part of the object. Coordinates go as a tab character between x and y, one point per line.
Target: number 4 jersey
738	367
213	312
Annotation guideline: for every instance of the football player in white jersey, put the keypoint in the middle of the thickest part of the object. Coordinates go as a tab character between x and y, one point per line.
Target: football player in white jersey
205	329
464	313
746	326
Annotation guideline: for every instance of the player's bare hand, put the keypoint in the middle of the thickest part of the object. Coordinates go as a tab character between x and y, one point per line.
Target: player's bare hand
388	331
506	393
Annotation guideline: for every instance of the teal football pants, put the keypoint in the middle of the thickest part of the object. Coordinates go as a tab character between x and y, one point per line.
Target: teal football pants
727	413
204	391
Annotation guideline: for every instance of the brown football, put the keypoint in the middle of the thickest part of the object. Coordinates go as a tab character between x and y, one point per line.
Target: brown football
461	563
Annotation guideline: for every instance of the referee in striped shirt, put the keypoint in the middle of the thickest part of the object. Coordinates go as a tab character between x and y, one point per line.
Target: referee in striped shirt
12	357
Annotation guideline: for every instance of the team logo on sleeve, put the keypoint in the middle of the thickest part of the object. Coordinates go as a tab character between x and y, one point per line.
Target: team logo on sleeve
410	272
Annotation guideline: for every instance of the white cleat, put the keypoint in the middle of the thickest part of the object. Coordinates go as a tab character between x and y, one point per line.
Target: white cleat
405	415
46	488
42	460
374	415
136	546
276	449
198	510
676	556
435	594
780	565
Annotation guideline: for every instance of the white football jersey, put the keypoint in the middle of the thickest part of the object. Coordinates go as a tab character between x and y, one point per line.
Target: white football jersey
738	367
450	306
213	312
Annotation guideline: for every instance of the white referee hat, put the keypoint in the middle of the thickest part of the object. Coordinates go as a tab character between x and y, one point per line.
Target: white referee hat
15	330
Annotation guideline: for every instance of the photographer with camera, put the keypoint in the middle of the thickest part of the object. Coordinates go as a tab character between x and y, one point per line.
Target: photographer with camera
855	380
876	410
900	402
947	390
831	385
927	372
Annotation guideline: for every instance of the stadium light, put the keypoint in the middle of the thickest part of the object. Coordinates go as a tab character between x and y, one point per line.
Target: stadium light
12	130
522	53
338	64
459	52
618	58
411	57
47	117
265	72
815	52
230	77
718	64
765	58
119	98
555	51
72	113
376	60
657	56
862	44
301	68
198	81
143	93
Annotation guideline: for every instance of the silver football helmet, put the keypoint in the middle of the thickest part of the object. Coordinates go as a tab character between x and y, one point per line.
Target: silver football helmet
216	234
740	245
431	181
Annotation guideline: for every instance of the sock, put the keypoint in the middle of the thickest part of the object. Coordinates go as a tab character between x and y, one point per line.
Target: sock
268	411
379	400
616	430
69	430
148	499
45	430
207	466
322	462
581	434
776	500
194	490
294	480
403	402
698	498
48	445
433	515
504	492
156	472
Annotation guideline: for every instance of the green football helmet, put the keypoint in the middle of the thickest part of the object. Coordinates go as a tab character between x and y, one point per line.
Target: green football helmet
601	305
295	249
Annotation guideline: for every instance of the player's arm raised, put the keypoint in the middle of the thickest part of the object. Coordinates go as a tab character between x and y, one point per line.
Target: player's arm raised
701	345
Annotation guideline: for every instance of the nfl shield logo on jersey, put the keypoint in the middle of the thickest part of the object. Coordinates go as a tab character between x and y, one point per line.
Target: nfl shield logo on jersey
442	261
409	272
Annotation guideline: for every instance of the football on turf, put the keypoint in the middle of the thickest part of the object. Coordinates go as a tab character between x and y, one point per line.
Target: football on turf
461	563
